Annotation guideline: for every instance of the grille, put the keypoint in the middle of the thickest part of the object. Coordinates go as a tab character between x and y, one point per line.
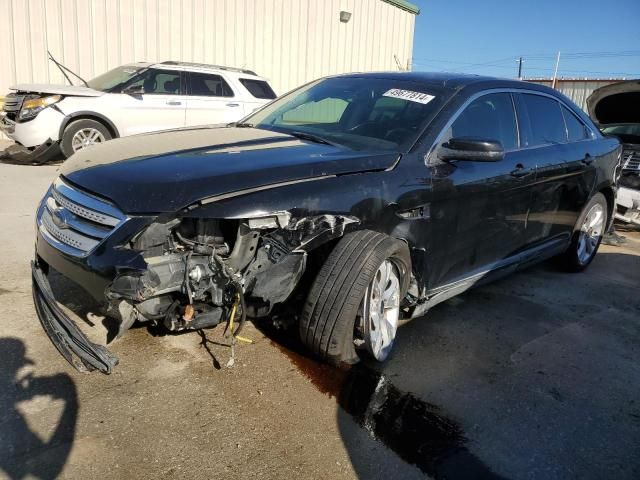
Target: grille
75	222
12	105
631	160
13	102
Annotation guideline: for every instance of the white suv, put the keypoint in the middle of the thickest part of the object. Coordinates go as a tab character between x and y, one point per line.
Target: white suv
131	99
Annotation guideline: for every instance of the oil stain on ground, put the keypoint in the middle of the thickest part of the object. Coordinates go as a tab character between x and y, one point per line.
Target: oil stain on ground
417	431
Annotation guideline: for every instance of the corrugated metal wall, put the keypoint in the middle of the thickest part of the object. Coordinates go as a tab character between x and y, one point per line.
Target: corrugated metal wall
577	90
288	41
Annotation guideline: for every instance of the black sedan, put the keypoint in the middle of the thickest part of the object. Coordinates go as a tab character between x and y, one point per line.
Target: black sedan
350	203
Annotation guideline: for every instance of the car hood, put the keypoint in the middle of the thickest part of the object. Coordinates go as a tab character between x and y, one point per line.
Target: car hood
164	172
615	103
57	89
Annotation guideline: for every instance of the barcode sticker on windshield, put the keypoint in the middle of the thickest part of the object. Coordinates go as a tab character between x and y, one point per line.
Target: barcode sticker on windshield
418	97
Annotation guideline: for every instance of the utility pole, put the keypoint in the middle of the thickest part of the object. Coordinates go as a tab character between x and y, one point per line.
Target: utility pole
555	72
520	69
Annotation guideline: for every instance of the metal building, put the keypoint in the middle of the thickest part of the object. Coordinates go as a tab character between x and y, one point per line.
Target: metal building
288	41
577	89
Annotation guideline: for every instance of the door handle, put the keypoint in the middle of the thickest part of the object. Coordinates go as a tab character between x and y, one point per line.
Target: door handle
520	171
233	104
174	102
587	160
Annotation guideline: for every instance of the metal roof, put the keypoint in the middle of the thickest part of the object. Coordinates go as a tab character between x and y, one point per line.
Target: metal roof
404	5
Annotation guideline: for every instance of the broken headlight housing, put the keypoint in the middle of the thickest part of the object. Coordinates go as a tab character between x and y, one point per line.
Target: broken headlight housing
33	106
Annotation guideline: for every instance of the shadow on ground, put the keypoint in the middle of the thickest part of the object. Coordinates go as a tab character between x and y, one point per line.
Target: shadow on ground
23	452
534	376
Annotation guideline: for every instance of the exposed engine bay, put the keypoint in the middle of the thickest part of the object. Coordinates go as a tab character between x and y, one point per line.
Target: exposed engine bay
199	270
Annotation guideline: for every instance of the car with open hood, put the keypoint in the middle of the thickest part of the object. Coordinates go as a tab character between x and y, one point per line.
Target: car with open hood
616	109
343	207
128	100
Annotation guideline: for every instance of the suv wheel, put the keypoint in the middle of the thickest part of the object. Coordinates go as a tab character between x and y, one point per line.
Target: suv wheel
354	302
587	235
82	134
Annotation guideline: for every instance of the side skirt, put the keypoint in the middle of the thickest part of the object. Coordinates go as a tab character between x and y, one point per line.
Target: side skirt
496	271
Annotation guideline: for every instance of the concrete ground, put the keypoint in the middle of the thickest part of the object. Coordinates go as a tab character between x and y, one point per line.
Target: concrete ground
536	376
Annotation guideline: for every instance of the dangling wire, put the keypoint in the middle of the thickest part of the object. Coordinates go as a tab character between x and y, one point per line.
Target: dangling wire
238	303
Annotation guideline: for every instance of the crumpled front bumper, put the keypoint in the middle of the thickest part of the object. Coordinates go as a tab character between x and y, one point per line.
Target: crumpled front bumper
74	346
629	200
39	155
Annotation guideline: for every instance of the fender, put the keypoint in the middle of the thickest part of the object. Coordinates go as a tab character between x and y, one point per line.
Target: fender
91	115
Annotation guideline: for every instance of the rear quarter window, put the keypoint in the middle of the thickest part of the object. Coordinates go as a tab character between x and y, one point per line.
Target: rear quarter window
576	130
258	88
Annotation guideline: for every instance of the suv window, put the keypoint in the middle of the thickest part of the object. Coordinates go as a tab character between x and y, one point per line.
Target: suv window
492	117
545	119
160	82
258	88
576	130
208	85
326	111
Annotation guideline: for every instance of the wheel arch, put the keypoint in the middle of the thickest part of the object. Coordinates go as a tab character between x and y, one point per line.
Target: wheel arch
88	115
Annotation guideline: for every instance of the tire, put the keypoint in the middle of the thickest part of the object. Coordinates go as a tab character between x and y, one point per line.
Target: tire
575	259
329	315
66	144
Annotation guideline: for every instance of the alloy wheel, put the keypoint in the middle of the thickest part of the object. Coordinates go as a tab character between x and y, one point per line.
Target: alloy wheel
381	310
590	233
85	138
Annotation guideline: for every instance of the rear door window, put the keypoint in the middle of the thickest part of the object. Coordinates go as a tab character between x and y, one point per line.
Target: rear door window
258	88
545	120
208	85
491	117
576	130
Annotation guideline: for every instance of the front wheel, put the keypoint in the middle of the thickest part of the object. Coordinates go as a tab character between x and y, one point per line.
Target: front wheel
82	134
354	303
587	235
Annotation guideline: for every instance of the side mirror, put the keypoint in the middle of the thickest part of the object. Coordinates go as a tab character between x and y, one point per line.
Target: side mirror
471	149
134	90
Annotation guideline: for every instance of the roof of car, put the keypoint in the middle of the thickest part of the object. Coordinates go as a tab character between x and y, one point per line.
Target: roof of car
452	79
193	66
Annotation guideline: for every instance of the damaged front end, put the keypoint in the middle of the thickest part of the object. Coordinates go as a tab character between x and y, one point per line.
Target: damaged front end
197	267
197	270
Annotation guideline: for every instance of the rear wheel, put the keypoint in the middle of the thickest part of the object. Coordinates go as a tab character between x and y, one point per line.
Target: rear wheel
587	235
81	134
354	303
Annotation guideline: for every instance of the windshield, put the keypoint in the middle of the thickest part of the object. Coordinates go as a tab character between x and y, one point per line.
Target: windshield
356	112
114	79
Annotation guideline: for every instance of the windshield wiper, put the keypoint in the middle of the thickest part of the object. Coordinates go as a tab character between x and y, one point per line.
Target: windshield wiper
63	68
313	138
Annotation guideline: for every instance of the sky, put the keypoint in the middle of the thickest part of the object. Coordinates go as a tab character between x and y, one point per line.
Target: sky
596	39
